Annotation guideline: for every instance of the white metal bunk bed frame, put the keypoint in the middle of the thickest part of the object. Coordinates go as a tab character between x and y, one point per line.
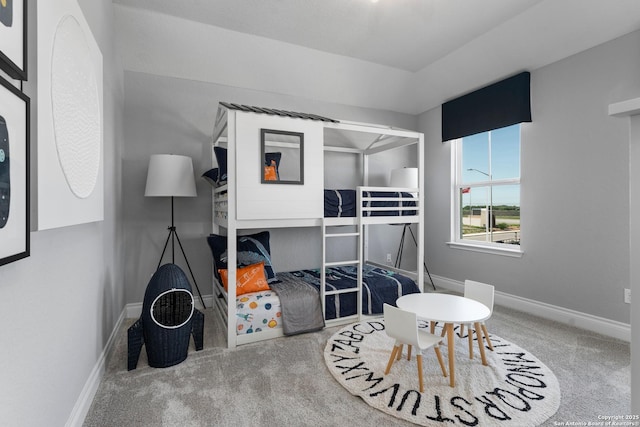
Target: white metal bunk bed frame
224	217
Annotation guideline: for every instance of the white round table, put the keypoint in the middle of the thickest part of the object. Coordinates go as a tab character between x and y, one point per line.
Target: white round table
448	309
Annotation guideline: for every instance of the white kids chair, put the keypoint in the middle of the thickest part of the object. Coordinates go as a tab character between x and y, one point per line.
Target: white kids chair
403	327
483	293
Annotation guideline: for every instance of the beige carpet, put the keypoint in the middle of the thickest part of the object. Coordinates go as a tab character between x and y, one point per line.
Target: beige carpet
285	381
515	389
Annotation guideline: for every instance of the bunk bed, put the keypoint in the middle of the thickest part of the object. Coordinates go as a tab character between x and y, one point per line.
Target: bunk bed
252	189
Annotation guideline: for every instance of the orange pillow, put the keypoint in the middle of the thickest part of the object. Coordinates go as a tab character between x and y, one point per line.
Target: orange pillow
270	173
248	279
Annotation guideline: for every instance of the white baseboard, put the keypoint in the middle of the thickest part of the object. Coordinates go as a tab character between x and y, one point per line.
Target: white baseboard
578	319
81	408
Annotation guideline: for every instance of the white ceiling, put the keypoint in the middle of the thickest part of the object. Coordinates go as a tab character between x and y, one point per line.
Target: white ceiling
406	34
432	40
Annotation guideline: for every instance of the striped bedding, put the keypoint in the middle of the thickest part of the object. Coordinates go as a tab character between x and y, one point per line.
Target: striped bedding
342	203
262	310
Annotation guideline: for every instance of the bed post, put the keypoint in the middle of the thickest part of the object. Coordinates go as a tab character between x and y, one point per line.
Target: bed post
364	237
232	230
421	207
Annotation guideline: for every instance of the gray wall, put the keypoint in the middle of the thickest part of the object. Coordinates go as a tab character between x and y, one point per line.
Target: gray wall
172	115
60	305
574	189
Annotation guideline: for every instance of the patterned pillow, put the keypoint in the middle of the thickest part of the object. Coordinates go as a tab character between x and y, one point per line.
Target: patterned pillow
211	176
252	249
248	279
221	158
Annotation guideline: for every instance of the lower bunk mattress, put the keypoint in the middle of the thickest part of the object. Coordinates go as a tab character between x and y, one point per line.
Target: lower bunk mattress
258	311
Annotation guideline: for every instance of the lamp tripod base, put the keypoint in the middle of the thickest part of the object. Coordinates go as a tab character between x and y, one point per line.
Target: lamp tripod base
401	248
173	234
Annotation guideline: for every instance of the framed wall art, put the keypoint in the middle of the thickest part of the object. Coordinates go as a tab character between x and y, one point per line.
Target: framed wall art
70	118
14	174
13	38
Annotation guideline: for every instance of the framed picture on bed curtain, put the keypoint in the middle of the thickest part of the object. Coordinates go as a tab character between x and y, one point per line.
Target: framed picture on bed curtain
13	38
14	173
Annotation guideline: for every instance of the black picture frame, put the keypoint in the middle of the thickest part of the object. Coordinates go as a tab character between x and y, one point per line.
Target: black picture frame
14	173
13	38
292	142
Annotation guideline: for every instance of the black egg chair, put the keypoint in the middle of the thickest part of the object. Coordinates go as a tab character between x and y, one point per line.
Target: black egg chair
168	320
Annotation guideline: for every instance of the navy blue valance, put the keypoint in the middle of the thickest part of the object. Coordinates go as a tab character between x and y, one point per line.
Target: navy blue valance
501	104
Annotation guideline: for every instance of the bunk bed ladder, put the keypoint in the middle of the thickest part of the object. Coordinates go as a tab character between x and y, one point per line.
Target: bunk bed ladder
328	224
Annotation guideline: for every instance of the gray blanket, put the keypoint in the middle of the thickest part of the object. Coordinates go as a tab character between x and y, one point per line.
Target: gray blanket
301	305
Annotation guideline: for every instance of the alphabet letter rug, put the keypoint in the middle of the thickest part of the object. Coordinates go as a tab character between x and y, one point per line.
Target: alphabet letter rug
515	389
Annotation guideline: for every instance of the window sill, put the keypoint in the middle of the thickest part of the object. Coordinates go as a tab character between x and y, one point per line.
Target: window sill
495	250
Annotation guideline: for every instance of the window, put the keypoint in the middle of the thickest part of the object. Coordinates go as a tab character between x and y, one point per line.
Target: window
486	201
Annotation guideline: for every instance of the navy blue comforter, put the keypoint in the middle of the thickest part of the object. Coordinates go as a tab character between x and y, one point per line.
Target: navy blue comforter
379	286
342	203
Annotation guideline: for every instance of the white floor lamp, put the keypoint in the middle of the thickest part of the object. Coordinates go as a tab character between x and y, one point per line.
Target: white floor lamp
171	175
406	178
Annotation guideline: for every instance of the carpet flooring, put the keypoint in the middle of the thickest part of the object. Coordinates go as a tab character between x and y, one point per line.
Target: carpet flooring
285	382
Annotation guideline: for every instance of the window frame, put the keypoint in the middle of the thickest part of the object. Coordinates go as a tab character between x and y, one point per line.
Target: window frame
457	185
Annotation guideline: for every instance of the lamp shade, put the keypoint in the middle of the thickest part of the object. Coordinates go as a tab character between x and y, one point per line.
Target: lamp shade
404	178
170	175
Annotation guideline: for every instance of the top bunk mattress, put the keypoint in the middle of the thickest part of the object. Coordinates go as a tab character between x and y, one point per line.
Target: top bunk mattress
343	203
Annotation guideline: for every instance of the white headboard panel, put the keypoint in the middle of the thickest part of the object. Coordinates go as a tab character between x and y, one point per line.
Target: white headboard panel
257	200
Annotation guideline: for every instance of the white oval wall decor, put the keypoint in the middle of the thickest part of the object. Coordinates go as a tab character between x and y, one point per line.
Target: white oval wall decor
75	107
